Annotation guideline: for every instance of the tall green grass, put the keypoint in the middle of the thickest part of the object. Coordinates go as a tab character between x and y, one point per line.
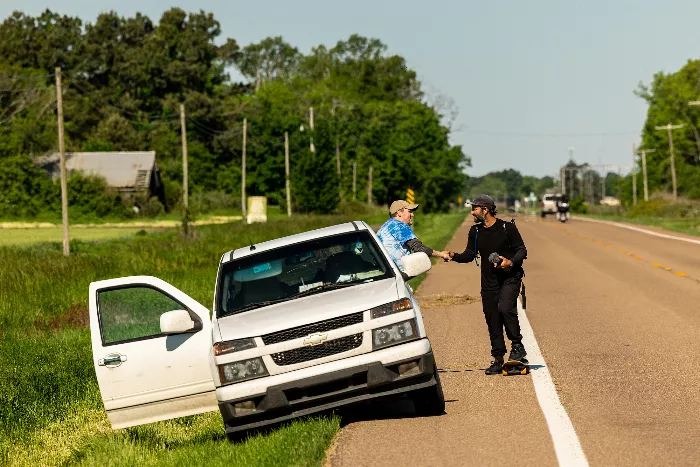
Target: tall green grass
50	407
680	216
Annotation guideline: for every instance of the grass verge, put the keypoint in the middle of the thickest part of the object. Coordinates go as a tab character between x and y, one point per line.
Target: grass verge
683	225
50	407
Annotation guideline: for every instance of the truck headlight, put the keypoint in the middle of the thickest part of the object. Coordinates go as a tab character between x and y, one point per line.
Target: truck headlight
222	348
390	308
394	334
243	370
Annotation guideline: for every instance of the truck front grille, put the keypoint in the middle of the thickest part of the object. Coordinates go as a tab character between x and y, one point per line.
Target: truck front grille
304	354
321	326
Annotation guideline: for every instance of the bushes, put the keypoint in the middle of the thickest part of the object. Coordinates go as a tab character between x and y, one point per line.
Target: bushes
578	206
208	201
88	197
660	207
27	191
359	209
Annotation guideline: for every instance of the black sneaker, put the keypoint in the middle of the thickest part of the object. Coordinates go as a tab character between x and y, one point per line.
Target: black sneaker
517	352
496	368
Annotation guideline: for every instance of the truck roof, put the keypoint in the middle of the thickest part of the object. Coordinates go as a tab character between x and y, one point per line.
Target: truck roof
292	239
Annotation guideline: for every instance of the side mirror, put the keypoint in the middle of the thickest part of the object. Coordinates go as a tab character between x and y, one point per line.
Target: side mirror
176	322
416	264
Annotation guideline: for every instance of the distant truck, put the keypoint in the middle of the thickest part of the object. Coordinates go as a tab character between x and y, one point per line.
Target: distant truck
610	201
549	204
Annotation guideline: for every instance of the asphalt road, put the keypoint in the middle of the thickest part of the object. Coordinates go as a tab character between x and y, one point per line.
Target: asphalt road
616	315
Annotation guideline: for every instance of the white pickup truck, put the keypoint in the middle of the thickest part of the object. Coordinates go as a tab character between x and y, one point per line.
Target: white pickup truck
549	204
299	324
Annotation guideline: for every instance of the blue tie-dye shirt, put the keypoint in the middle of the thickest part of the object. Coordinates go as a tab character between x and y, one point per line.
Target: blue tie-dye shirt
394	234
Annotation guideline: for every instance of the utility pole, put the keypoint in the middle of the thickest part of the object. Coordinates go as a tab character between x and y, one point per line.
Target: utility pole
62	155
369	187
603	181
634	174
697	139
571	180
337	163
183	132
354	180
287	182
562	174
644	172
311	127
244	207
670	127
572	183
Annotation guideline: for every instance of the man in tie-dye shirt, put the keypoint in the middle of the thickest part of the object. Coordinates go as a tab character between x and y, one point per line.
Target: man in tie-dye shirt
398	237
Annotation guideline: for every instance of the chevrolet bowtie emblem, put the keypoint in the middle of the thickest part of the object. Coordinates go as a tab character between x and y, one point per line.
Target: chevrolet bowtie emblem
315	339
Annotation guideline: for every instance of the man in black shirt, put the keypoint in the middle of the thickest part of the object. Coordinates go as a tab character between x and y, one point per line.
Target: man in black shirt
501	276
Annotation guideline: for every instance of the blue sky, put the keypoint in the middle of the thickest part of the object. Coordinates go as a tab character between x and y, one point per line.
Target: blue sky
530	79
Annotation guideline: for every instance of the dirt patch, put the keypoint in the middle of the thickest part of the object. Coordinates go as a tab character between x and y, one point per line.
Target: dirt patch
330	452
442	300
77	316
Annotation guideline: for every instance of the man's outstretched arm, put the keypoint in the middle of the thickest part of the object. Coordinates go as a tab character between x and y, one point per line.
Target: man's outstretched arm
468	255
416	246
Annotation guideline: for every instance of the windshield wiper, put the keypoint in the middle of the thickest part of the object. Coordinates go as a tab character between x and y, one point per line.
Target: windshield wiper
253	306
320	288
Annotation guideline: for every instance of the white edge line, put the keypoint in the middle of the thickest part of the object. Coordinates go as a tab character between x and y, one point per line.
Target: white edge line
566	443
649	232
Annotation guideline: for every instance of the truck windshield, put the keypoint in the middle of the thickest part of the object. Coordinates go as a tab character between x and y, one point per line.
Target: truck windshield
300	269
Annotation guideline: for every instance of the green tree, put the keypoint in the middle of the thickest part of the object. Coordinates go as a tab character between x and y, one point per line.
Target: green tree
668	97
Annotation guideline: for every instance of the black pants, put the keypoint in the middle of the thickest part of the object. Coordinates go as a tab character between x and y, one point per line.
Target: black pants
501	310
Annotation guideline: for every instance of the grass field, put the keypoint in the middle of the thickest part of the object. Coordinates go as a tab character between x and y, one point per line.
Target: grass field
50	408
27	233
14	237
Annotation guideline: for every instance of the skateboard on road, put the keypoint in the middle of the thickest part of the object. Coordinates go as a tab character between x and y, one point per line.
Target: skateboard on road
516	367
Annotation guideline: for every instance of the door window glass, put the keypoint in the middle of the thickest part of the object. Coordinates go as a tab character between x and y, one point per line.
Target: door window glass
132	313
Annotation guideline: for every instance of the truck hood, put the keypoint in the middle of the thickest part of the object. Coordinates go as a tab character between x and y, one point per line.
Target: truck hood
307	310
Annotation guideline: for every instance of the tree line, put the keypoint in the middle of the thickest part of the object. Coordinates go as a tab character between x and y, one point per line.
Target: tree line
124	79
672	98
506	185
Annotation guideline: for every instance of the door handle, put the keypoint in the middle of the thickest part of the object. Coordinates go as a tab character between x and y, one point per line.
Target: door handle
111	359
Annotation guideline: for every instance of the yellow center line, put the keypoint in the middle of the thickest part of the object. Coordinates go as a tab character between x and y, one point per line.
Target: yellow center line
606	245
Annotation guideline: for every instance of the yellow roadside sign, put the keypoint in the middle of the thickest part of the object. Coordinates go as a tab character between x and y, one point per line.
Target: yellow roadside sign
410	196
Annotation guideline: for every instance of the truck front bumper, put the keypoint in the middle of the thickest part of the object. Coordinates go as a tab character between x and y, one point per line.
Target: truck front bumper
379	375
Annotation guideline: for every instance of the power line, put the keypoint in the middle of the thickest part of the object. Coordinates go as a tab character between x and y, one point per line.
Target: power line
548	135
212	132
20	90
136	122
27	78
87	94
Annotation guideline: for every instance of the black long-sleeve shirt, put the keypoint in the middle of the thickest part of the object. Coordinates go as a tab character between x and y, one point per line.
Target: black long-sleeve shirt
416	245
502	238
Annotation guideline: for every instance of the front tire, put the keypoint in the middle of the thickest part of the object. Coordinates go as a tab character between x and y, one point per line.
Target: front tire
430	401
